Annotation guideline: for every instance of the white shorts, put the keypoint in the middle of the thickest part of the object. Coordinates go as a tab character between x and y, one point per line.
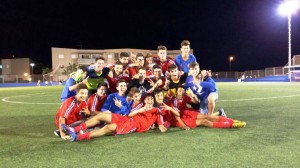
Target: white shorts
204	104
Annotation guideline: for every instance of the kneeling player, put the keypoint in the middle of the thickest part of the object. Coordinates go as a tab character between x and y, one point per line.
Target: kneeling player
69	111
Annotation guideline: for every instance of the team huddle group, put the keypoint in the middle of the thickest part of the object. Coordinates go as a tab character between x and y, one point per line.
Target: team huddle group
139	93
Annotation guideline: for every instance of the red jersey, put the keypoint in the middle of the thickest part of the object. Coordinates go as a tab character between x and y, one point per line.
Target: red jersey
136	106
95	102
133	71
70	110
164	65
144	120
168	116
181	104
112	82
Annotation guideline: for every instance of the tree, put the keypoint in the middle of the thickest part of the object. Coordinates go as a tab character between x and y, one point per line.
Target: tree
70	68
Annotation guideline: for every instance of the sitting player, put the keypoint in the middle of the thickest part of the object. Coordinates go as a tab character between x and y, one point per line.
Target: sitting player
69	111
117	102
141	121
96	100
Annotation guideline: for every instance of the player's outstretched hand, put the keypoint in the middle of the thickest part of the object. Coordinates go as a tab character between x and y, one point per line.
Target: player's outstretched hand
186	128
162	128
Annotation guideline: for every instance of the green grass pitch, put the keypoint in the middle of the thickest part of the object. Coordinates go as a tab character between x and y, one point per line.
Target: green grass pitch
270	139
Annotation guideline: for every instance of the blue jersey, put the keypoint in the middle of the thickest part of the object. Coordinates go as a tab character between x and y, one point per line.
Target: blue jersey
202	89
66	93
184	65
109	104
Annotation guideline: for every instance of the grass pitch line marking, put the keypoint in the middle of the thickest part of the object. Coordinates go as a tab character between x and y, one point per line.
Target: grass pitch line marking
28	95
258	98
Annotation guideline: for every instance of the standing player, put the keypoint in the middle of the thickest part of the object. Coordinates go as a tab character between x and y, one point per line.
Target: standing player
96	74
140	121
115	75
185	58
69	111
163	60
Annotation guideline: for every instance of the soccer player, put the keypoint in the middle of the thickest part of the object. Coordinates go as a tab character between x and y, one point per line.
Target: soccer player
96	100
157	77
174	80
71	85
134	67
115	75
206	90
140	81
163	60
185	58
69	111
96	74
140	121
170	115
124	59
117	102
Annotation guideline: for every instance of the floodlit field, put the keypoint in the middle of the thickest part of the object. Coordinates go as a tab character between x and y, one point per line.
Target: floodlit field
270	139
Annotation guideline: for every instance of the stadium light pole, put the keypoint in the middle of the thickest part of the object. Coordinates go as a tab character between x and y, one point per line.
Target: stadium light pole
32	65
230	59
288	8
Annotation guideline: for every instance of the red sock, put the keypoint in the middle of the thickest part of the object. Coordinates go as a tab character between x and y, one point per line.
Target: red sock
84	136
224	119
222	124
82	126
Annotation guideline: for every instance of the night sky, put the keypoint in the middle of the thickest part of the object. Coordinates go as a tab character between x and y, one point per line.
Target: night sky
251	30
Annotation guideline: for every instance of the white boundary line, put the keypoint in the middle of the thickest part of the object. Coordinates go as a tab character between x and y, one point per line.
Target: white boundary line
28	95
258	98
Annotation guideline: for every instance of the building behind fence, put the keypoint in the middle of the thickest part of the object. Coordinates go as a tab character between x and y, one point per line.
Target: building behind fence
58	75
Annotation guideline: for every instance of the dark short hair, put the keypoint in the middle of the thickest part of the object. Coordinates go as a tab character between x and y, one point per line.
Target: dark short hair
140	55
134	90
149	95
161	47
99	58
118	63
179	86
124	54
102	84
157	91
81	86
171	67
149	55
120	81
142	67
185	43
156	66
193	64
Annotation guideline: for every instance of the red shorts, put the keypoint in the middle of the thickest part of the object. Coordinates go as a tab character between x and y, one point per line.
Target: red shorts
124	124
189	118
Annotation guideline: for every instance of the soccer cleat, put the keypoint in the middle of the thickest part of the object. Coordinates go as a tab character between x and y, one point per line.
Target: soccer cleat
241	124
237	121
57	133
70	131
222	112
